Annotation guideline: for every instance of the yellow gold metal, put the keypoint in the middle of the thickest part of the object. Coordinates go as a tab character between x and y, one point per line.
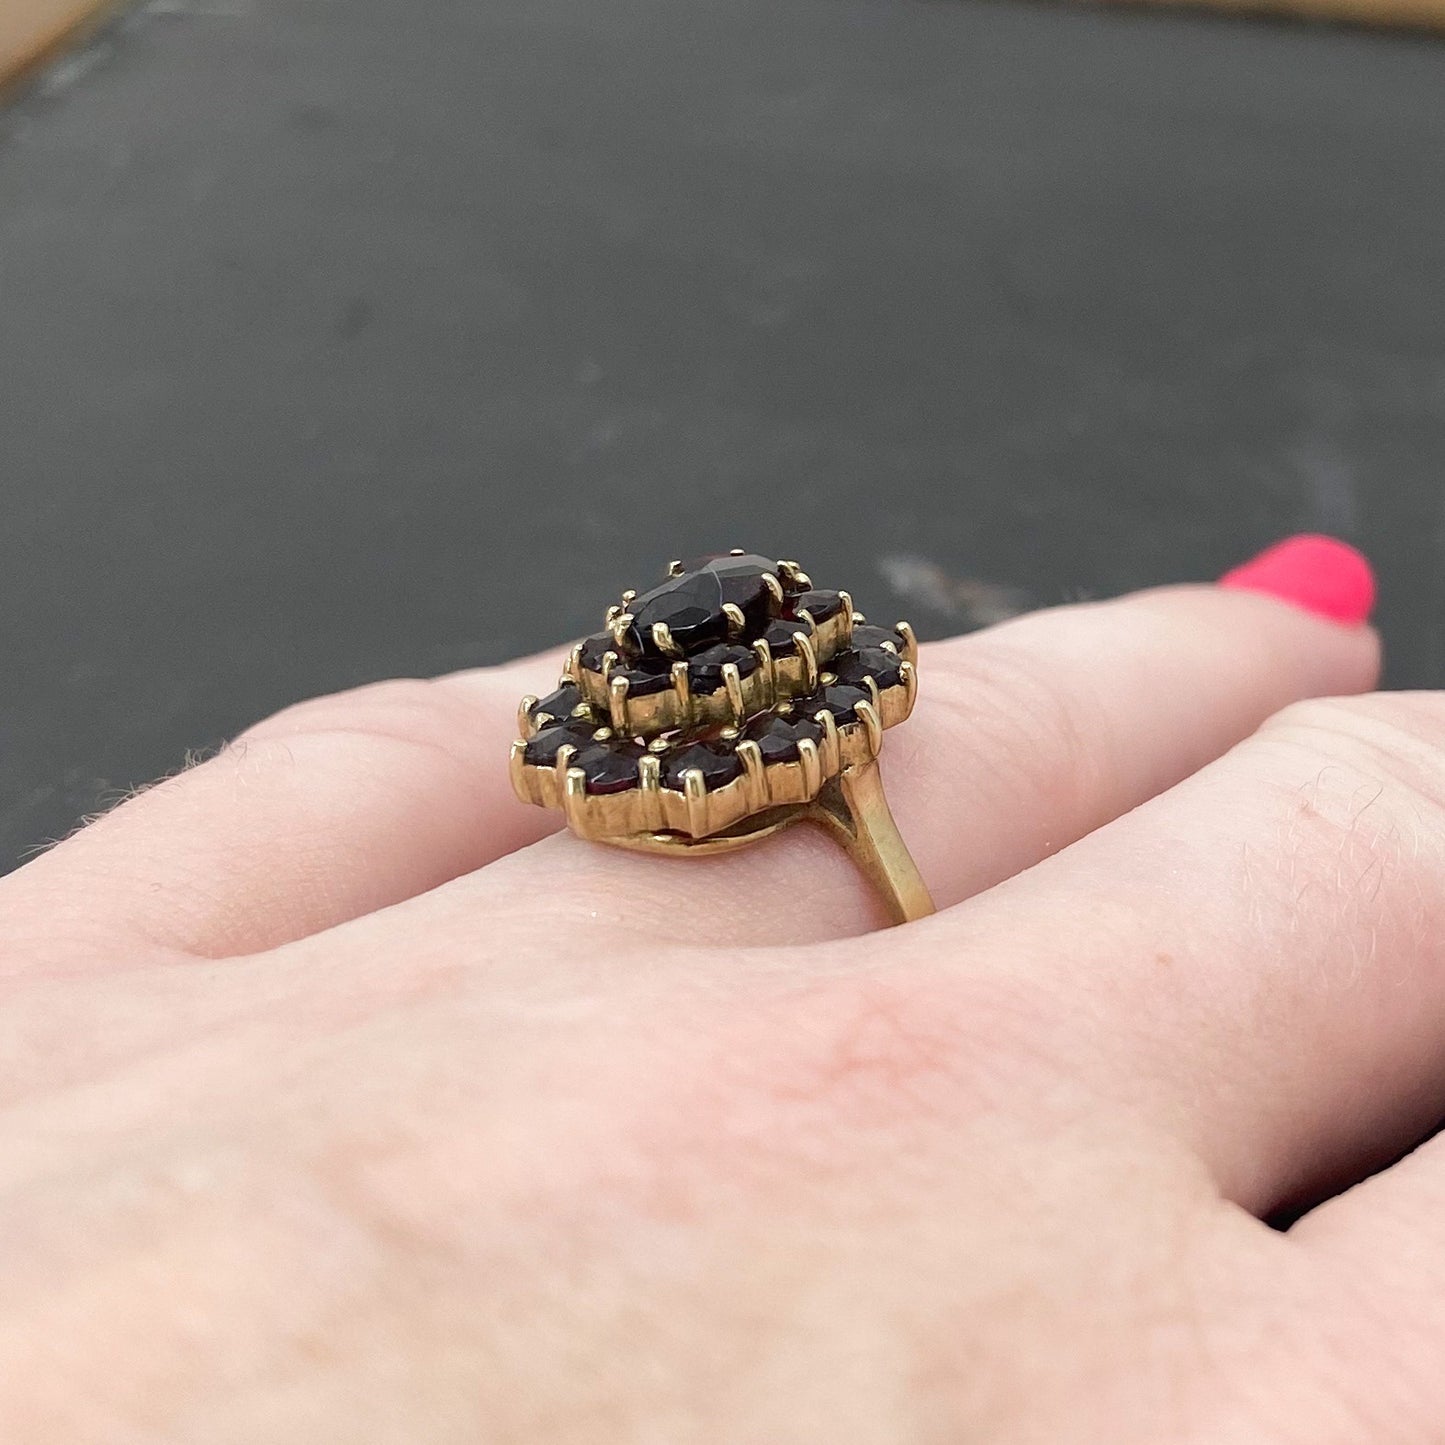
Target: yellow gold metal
909	672
613	612
872	725
832	761
649	785
855	809
617	702
675	568
765	667
524	714
812	765
628	598
910	642
775	587
694	792
750	755
733	686
737	622
803	645
848	617
574	800
617	625
682	690
662	640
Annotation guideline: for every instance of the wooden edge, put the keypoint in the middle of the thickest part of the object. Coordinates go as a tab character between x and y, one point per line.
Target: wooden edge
34	32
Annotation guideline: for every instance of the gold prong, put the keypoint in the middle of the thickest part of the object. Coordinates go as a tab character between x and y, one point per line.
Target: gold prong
808	653
750	755
847	620
617	702
737	551
682	686
694	791
573	670
649	783
768	670
832	759
870	686
733	685
910	642
773	586
737	623
574	799
909	673
524	715
674	568
812	766
613	612
563	761
610	660
802	582
517	767
868	715
629	597
662	640
618	626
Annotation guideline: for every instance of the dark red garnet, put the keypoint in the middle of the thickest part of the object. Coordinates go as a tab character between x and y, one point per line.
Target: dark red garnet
716	761
559	705
820	606
777	736
781	636
691	605
611	766
838	698
883	666
705	670
594	649
651	675
542	750
865	635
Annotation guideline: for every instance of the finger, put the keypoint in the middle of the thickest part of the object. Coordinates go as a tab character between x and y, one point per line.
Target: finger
1024	738
330	809
1254	959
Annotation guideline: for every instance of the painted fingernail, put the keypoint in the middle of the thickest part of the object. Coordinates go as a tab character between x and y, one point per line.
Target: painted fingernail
1321	574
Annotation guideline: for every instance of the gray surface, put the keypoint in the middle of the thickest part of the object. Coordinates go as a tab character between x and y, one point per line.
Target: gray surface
352	337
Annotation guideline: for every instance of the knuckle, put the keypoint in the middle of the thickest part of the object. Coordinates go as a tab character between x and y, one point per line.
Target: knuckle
1394	742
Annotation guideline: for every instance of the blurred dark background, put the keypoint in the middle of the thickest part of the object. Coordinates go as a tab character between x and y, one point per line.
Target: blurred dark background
345	338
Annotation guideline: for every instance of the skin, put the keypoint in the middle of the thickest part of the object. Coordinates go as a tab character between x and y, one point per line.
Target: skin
339	1102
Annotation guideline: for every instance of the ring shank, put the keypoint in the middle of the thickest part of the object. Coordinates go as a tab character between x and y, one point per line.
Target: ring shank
854	808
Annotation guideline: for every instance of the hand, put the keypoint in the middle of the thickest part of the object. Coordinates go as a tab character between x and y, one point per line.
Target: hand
340	1105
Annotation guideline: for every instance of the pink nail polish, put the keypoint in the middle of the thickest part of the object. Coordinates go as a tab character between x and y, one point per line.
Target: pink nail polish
1320	574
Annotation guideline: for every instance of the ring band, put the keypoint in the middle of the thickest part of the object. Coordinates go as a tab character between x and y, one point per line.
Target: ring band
724	705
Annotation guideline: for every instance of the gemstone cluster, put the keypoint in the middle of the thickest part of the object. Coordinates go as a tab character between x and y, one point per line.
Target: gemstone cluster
733	686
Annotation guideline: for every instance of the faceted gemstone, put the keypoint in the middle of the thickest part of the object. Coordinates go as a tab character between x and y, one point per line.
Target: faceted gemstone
780	636
884	667
777	736
648	677
717	763
819	605
705	670
559	705
691	604
839	698
611	766
595	648
865	635
542	750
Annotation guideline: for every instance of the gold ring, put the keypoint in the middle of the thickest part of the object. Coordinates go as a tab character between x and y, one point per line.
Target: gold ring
731	701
